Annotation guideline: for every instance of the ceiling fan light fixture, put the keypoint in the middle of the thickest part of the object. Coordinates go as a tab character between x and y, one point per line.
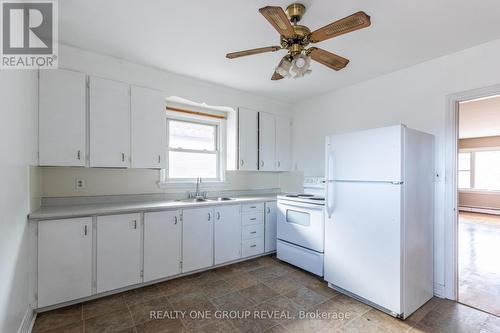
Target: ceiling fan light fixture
283	68
301	64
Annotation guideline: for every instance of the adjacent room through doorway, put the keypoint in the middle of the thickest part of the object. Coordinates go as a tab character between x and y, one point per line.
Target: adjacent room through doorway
479	204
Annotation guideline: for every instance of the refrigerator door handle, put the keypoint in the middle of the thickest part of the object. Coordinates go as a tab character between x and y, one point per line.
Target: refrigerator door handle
330	194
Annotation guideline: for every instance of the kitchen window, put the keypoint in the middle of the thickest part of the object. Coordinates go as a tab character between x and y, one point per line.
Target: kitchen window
193	149
479	170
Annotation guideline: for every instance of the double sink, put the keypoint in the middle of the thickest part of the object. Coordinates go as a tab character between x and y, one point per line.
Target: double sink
207	199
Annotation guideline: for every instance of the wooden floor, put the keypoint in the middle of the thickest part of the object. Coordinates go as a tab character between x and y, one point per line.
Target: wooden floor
479	261
258	286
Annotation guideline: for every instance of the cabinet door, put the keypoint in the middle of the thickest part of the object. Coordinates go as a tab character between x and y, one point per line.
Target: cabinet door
270	229
109	123
162	244
267	142
283	146
64	260
247	139
227	233
118	251
61	126
197	238
148	128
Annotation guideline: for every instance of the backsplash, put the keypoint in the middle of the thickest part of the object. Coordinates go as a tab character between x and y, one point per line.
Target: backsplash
57	182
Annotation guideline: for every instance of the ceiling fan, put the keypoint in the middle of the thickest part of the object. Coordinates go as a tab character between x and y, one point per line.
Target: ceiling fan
295	38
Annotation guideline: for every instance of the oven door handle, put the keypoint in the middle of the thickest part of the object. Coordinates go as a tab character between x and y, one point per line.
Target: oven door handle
304	205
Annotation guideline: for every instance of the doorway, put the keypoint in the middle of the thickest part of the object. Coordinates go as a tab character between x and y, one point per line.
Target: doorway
478	196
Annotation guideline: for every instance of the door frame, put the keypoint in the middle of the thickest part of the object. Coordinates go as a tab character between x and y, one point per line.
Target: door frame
451	191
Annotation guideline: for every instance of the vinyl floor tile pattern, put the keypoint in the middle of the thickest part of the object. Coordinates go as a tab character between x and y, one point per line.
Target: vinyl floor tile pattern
270	306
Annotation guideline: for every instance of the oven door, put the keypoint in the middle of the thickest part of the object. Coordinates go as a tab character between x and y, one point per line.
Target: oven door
301	224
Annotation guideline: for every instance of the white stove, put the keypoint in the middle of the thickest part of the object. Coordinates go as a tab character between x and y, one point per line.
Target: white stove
301	226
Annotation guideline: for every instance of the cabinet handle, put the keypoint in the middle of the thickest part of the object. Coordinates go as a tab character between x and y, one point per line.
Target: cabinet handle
209	216
78	155
135	224
218	215
255	245
159	158
123	157
268	210
253	232
85	230
279	164
242	162
261	163
175	219
253	219
253	207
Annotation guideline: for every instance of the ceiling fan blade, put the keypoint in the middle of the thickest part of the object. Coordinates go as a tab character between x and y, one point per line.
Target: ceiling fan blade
252	51
276	76
277	17
328	59
350	23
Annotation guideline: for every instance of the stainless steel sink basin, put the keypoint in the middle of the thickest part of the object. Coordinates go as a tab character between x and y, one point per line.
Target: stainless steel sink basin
221	199
194	200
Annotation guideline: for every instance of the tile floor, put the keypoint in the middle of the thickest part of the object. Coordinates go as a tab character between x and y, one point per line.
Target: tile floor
479	263
258	285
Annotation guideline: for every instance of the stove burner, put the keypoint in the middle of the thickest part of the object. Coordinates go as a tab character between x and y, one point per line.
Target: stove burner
305	195
292	195
318	198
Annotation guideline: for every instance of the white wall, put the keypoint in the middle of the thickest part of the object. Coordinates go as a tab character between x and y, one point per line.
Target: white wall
18	100
415	96
57	182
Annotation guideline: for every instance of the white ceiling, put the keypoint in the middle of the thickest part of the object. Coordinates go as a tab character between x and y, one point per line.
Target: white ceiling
191	37
479	118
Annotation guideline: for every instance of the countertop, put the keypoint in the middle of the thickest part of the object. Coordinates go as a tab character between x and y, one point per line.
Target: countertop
69	211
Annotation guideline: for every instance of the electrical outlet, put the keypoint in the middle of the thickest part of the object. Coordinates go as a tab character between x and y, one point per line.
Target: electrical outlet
79	183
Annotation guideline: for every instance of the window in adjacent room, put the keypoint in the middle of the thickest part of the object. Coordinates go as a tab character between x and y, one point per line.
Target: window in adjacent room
464	170
194	150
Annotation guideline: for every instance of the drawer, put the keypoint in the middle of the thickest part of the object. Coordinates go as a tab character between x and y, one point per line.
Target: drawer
252	247
252	231
254	207
252	218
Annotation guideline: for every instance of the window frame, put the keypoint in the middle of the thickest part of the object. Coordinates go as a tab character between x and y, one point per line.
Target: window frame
220	150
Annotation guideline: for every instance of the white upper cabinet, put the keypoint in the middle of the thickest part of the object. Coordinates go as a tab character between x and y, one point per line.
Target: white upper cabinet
109	123
283	144
162	244
227	233
148	128
267	141
118	251
62	113
64	260
247	139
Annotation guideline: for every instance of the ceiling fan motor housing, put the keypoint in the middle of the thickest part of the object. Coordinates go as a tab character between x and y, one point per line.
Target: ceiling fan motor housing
295	12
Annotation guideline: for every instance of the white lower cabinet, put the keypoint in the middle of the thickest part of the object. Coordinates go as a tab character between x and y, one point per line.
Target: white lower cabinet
197	238
118	251
162	244
64	260
270	220
227	233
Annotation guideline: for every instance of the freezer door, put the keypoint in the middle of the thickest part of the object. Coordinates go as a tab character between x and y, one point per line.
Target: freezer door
371	155
363	242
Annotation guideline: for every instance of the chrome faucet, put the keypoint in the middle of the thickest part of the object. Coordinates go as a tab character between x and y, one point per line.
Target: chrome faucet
198	194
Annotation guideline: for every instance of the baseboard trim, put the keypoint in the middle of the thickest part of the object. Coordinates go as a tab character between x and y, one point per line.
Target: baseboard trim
479	210
439	290
28	321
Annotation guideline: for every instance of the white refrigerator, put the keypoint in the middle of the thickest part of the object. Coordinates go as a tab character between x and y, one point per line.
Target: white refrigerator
379	217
